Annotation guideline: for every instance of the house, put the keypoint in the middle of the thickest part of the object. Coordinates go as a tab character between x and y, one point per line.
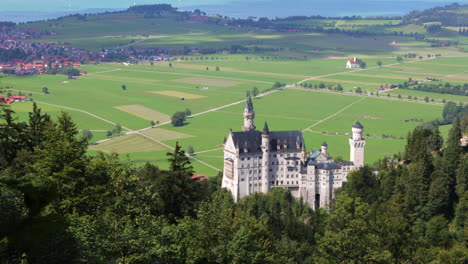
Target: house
18	98
199	177
351	64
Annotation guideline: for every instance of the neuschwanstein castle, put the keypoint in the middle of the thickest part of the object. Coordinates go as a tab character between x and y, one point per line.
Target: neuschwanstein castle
256	161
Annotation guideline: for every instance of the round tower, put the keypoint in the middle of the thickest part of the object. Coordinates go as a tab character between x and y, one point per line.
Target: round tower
357	144
324	148
265	158
249	116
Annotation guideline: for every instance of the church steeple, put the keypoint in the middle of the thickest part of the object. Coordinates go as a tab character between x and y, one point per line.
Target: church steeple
249	115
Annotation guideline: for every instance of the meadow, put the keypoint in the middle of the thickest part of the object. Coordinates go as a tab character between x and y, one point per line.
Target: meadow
156	91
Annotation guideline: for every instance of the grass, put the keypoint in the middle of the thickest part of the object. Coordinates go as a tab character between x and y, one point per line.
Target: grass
290	109
127	144
144	112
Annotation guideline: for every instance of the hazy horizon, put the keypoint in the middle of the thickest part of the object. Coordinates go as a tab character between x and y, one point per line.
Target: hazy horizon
31	10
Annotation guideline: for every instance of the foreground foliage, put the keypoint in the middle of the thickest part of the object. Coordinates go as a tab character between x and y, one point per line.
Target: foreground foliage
58	205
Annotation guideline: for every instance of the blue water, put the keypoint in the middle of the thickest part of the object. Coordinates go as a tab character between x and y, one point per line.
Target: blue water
284	8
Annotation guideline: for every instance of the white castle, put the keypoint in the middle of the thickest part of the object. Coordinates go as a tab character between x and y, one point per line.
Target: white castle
256	161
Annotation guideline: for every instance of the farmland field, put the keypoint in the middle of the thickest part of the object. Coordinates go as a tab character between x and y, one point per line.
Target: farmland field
154	93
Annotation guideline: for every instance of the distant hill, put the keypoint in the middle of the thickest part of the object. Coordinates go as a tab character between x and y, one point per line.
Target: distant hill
454	15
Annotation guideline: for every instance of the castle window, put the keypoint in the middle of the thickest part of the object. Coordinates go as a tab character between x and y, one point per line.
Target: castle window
242	179
271	170
281	155
287	183
250	172
242	158
248	158
274	155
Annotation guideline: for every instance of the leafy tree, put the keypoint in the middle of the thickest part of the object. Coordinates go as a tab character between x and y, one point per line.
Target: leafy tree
124	87
45	90
188	112
178	119
399	59
88	135
362	64
348	237
108	133
217	68
190	150
152	123
379	63
118	128
255	91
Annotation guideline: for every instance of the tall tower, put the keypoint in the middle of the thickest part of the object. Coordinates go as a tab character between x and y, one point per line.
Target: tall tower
357	144
249	116
265	159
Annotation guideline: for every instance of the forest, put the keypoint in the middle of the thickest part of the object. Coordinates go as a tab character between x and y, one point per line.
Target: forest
60	205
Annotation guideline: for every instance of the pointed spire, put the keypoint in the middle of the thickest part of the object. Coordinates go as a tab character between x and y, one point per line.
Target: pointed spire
266	130
249	104
358	125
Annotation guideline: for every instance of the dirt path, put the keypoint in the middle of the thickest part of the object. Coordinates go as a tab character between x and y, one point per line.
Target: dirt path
186	74
335	114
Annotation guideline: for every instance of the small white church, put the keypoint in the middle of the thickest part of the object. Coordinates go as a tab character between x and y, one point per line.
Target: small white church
352	64
256	161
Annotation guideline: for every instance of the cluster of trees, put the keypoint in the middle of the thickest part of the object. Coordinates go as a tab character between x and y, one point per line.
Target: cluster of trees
447	88
178	118
69	71
322	85
58	205
115	131
11	54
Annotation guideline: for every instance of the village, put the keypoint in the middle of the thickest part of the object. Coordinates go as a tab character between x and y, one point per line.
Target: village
19	56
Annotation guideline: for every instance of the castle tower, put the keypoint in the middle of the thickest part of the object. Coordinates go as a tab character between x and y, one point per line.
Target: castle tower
357	144
249	116
324	148
265	159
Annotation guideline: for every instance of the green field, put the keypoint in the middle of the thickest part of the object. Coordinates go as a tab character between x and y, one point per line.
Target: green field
155	91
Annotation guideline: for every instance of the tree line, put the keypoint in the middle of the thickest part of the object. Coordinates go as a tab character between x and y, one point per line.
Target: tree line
447	88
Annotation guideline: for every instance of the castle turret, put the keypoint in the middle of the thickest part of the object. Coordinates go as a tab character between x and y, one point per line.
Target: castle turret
325	148
357	144
249	116
265	158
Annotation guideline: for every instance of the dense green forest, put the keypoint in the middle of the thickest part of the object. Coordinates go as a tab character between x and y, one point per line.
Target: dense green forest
59	205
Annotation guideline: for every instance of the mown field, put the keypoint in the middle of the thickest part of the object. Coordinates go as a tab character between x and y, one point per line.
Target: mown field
155	92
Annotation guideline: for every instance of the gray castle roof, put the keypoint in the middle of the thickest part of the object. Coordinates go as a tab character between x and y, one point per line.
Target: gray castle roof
358	125
252	140
266	130
325	165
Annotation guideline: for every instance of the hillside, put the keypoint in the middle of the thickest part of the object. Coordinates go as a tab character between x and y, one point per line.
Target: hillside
164	27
